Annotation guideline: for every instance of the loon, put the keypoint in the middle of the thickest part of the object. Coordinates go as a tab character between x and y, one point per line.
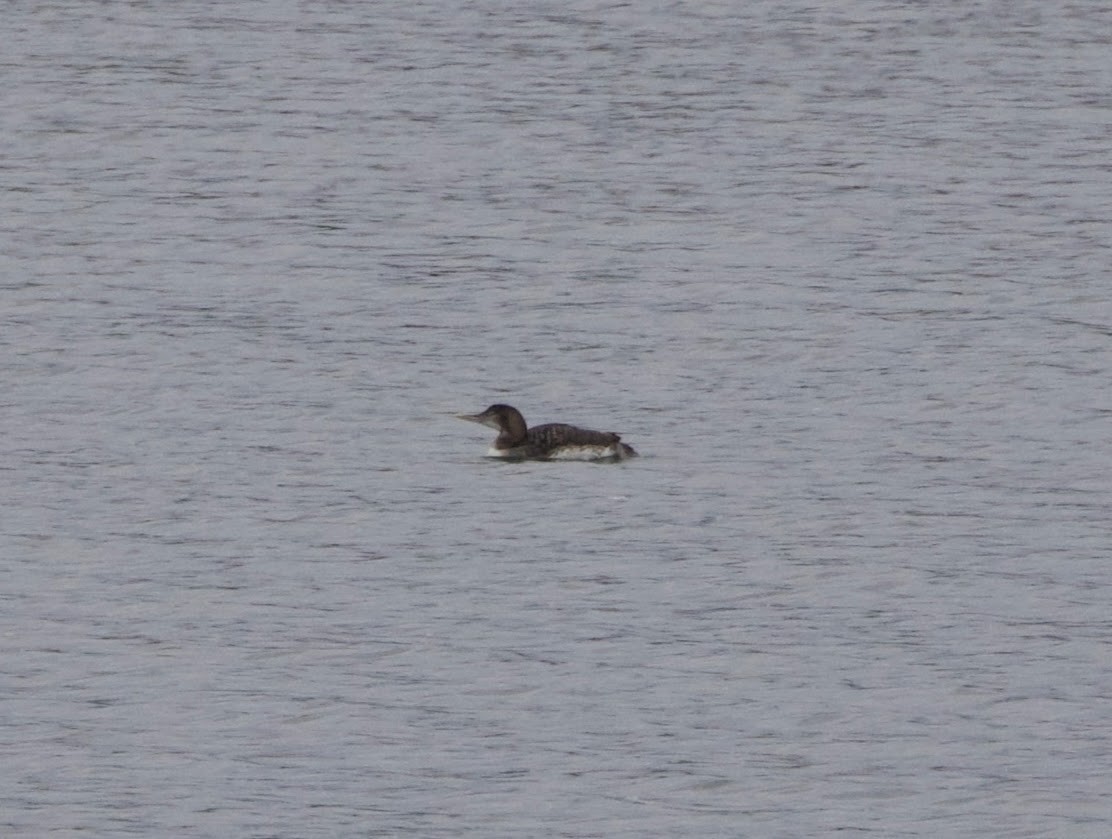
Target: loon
553	441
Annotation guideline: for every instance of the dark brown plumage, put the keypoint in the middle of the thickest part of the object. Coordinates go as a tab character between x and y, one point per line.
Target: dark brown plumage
554	440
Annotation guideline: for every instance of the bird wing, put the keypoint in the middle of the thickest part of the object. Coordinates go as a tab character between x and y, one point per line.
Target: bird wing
558	434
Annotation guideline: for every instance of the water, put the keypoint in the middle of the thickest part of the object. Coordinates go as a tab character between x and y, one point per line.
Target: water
840	274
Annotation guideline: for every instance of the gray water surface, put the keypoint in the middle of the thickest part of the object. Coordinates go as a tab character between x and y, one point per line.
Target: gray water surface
840	273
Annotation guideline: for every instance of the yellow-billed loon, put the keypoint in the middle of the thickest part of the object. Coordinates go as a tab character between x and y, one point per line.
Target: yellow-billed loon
554	441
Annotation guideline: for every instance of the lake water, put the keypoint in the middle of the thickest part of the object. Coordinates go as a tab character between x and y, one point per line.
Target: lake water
840	273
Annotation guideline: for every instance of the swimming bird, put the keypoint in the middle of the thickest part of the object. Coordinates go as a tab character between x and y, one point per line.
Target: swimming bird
553	441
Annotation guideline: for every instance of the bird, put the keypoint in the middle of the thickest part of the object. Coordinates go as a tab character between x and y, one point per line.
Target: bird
552	441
